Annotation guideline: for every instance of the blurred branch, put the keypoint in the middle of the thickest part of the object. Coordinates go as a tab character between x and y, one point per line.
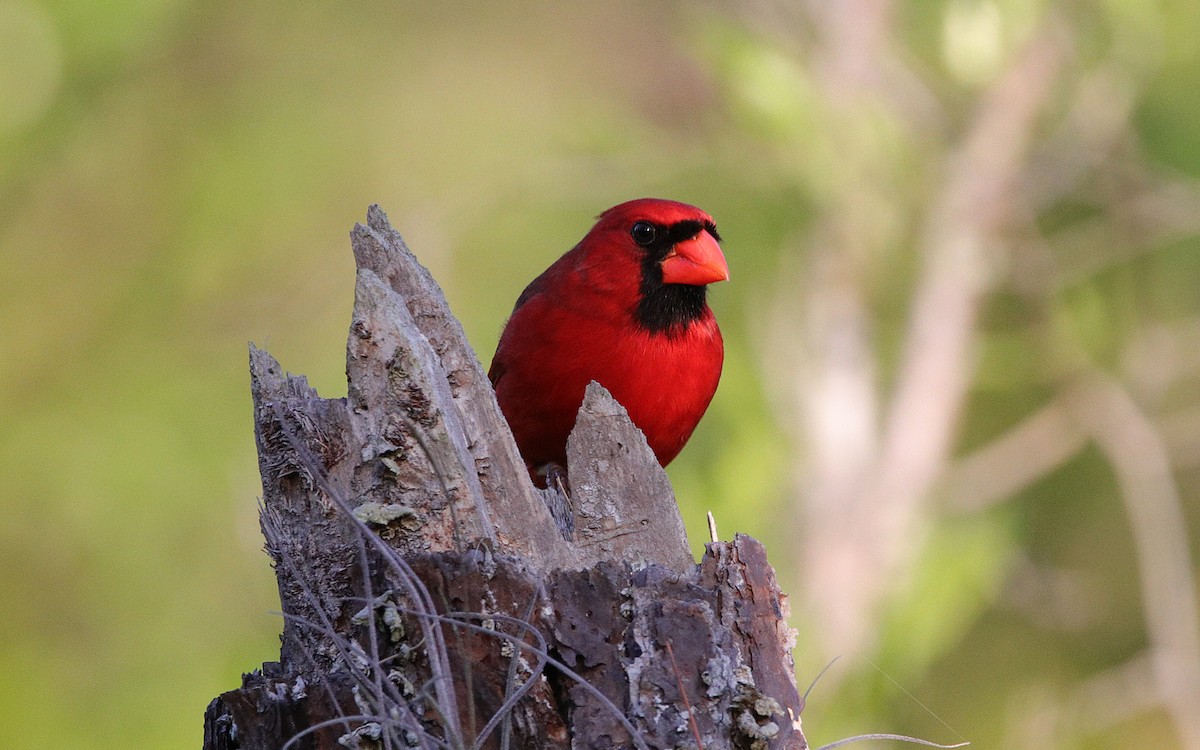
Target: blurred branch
1098	408
1137	220
1011	463
1181	432
854	37
1160	356
857	56
864	508
1137	454
1044	716
1114	695
1098	114
1097	121
972	206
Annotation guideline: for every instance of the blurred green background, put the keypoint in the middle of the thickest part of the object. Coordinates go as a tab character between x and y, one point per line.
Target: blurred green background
962	397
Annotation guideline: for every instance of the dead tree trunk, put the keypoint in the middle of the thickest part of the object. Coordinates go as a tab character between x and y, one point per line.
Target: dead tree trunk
431	598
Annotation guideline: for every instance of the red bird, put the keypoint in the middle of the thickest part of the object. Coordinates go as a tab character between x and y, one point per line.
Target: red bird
626	308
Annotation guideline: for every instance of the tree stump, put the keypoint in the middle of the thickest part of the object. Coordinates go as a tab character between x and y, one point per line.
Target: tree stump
433	597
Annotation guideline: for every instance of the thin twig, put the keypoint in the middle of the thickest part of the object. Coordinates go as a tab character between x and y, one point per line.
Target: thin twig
684	696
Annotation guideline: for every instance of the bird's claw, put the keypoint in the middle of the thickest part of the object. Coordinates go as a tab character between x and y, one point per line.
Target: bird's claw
558	497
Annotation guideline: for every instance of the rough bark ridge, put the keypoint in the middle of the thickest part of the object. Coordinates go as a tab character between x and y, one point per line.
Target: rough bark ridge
431	599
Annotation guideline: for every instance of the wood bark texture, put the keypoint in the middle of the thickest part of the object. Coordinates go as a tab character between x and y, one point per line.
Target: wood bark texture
433	597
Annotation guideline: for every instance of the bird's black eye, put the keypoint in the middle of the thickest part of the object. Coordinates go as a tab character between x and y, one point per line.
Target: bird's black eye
644	233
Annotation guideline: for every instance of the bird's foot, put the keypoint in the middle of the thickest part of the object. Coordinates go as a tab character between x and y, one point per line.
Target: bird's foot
558	497
555	476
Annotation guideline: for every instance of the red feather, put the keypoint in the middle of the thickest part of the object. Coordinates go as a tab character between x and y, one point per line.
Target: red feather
608	311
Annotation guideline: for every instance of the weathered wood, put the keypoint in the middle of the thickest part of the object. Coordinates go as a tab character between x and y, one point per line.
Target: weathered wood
623	504
514	504
431	598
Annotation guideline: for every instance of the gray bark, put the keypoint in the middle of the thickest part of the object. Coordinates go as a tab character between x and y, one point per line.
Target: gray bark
432	598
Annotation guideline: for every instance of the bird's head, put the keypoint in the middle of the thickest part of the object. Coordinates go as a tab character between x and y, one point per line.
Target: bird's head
671	248
677	239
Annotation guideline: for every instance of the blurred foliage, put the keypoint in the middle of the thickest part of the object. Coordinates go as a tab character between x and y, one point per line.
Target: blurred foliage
177	178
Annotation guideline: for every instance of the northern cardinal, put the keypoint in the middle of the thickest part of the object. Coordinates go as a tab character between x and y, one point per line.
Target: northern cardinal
626	308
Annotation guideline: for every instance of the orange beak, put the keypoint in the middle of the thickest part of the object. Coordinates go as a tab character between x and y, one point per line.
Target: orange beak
697	262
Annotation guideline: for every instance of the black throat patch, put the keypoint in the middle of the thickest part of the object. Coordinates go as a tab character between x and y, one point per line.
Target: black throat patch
669	308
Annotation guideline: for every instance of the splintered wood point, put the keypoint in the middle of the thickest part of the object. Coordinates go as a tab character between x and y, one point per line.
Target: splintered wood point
624	506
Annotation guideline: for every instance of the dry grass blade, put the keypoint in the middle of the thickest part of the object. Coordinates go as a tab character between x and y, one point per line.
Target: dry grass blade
815	680
882	736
